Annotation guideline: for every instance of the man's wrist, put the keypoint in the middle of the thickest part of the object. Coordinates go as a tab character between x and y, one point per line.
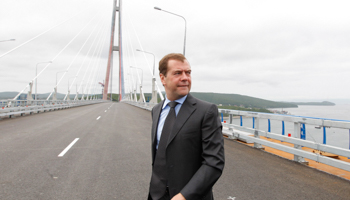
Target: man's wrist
178	197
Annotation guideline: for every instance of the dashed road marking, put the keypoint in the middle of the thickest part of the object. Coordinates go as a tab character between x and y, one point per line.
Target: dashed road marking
68	147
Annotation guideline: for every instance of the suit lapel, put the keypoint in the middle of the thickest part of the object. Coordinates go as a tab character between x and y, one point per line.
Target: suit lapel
156	115
187	108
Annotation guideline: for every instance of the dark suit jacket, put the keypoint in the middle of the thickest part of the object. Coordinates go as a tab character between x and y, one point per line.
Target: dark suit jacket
195	149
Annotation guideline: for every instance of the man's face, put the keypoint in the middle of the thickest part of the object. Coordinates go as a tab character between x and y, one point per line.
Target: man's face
177	82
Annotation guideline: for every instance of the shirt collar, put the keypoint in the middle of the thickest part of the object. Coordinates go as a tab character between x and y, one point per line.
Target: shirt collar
180	101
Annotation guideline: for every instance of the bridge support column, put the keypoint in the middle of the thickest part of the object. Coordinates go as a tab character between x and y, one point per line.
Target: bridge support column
68	98
154	92
131	97
135	96
30	96
54	97
142	96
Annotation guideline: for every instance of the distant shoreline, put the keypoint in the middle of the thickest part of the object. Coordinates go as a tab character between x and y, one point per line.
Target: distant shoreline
323	103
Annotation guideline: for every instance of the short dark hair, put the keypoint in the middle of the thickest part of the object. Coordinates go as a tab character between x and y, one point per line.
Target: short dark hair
163	63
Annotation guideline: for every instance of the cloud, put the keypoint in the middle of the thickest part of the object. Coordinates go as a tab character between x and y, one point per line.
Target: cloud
268	49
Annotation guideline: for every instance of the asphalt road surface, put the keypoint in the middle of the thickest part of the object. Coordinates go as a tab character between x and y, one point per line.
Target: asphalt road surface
102	151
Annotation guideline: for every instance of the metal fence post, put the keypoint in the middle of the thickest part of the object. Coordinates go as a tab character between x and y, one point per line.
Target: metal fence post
297	132
230	120
256	133
231	129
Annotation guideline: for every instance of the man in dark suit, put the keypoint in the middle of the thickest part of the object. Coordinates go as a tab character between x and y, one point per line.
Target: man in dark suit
187	142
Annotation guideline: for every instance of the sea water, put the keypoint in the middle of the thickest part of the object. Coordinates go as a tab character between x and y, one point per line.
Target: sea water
334	136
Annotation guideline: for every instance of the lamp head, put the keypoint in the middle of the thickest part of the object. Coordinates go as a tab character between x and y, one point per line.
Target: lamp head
157	8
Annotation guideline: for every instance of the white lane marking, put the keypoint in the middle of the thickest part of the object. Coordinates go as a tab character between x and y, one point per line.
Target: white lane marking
68	147
98	117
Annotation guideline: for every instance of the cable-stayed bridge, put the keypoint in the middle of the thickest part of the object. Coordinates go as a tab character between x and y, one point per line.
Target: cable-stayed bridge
101	149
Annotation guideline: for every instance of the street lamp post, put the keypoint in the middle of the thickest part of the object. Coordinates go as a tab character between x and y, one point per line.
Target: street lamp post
154	98
154	59
132	86
141	73
133	90
178	16
36	79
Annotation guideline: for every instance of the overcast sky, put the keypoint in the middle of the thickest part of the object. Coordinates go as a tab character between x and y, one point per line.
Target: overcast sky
276	50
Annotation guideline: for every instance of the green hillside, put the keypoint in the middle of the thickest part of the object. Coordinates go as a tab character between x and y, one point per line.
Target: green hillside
8	95
236	100
241	100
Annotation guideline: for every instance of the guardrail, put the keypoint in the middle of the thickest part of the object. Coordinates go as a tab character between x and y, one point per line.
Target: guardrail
11	108
146	106
296	138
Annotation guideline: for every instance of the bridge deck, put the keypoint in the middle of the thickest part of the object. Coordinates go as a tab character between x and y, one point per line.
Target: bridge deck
111	160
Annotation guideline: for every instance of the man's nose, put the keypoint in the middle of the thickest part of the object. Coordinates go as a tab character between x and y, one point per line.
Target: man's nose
184	76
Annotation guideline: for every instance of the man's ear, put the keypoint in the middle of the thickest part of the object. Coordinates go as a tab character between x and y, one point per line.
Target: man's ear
162	78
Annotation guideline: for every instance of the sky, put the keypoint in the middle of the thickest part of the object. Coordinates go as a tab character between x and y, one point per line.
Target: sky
275	50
